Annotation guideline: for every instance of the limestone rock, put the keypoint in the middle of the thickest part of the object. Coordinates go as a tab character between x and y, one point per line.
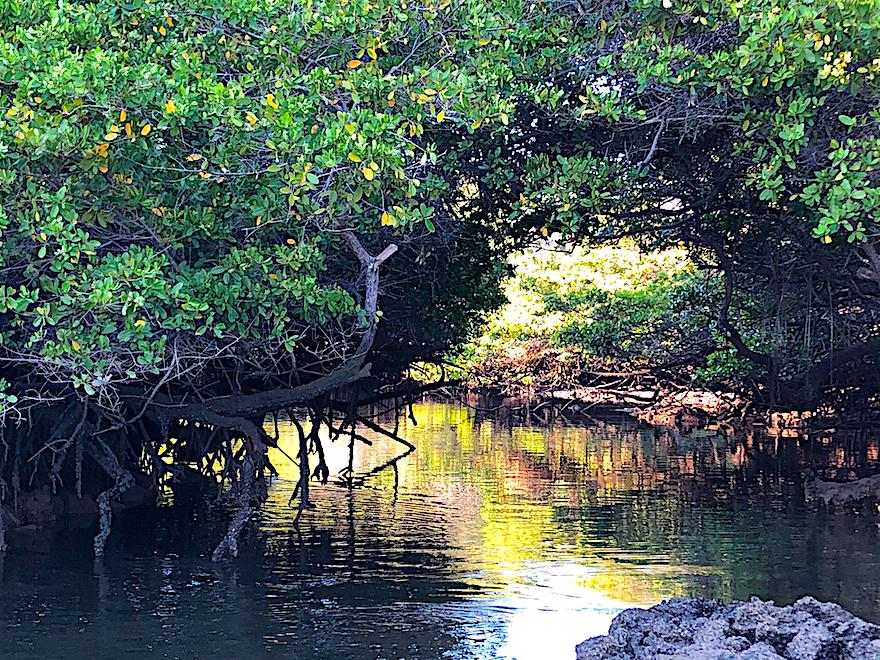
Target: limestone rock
699	629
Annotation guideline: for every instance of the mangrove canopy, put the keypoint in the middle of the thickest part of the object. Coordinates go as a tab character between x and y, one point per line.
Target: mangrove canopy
217	211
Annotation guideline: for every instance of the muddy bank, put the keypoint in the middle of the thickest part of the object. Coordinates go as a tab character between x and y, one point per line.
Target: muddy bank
699	629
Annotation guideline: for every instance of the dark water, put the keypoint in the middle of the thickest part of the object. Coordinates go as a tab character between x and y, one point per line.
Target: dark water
492	540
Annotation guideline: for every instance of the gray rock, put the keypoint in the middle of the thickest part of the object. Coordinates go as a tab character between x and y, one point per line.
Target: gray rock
759	651
699	629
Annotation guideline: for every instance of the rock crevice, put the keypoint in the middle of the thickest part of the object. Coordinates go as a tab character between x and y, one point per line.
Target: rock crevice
695	628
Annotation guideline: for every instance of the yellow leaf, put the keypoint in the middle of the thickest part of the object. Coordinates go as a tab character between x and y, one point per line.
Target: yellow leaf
583	99
476	124
128	128
11	112
271	102
290	241
429	92
162	30
38	100
102	169
273	276
170	22
251	118
204	175
603	25
545	232
75	345
374	166
387	219
353	64
351	128
368	173
140	323
354	157
101	149
146	130
826	239
111	136
505	119
764	82
194	157
746	124
170	107
441	116
157	211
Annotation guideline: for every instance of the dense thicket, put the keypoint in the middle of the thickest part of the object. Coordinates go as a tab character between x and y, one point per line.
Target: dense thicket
197	203
747	132
613	317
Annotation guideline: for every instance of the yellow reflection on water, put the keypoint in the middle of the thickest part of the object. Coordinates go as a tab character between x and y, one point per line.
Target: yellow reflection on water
540	535
513	494
520	521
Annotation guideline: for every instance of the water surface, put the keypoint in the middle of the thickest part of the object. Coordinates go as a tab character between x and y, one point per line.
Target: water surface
493	540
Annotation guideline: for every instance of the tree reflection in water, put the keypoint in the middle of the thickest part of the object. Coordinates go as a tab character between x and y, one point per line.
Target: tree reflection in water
491	539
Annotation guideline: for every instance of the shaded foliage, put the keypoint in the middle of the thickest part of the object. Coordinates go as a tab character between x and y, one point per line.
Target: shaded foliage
746	131
197	202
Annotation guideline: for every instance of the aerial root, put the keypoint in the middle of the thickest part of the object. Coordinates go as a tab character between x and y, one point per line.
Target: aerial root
122	482
246	496
3	545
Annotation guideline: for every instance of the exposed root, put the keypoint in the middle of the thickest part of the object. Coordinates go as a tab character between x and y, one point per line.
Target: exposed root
322	470
191	456
3	545
302	487
122	482
246	497
4	453
392	463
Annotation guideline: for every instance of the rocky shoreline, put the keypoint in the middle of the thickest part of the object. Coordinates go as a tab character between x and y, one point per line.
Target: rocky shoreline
699	629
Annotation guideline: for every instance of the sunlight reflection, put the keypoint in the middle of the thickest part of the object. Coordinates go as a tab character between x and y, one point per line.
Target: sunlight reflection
550	531
552	611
